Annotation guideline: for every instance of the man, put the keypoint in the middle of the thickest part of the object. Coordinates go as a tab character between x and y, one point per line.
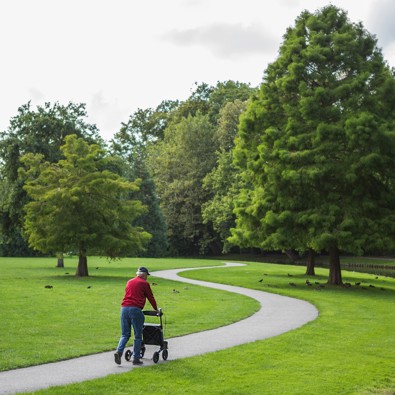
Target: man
136	292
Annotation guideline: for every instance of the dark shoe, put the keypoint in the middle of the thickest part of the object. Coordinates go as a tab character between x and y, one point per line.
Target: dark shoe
117	358
137	362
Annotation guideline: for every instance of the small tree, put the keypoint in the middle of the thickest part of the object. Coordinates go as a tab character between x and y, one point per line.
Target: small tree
78	206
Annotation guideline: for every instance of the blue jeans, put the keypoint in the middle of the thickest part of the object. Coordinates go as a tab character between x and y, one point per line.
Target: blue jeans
131	316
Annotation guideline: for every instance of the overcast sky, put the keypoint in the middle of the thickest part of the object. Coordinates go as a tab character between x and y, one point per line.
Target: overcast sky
120	55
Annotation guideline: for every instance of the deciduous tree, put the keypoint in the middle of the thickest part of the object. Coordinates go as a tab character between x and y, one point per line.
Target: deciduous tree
78	206
40	130
178	164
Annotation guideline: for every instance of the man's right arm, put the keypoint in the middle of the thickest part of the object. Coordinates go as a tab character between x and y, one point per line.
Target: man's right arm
151	298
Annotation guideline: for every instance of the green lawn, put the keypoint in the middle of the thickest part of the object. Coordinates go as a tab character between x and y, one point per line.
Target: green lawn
349	349
80	316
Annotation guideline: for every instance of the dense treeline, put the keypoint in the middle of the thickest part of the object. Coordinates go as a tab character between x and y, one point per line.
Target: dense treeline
170	150
305	162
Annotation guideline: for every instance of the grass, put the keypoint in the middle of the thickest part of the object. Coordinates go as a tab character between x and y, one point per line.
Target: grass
348	349
80	316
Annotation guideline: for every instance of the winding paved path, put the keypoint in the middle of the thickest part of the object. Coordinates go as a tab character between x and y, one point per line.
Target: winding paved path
277	315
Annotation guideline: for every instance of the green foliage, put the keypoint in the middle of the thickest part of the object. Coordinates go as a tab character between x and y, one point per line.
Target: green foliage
317	143
143	127
153	220
225	93
130	143
187	153
42	131
178	164
223	182
78	206
39	131
210	100
197	103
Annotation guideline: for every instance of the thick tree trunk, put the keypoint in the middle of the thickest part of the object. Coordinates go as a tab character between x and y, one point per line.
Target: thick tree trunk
335	275
310	267
82	269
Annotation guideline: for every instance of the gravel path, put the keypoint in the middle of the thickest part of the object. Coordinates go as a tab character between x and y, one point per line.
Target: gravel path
277	315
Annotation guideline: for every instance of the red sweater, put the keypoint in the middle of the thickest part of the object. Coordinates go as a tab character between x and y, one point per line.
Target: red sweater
136	292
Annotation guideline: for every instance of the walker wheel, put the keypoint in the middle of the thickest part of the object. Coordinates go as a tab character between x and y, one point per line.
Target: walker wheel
142	351
165	354
128	355
155	357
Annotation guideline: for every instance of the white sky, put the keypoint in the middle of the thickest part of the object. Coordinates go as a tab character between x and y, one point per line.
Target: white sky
120	55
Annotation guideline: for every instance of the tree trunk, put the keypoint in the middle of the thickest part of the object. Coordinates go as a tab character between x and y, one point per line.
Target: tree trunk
60	260
82	269
335	274
310	267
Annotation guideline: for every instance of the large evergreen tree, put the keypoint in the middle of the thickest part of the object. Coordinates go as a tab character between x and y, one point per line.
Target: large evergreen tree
318	145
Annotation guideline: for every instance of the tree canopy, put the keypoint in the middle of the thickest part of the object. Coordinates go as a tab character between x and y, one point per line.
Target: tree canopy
39	131
78	205
179	163
180	143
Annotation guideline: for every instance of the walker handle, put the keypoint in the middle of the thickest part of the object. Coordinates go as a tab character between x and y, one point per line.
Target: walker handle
153	313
